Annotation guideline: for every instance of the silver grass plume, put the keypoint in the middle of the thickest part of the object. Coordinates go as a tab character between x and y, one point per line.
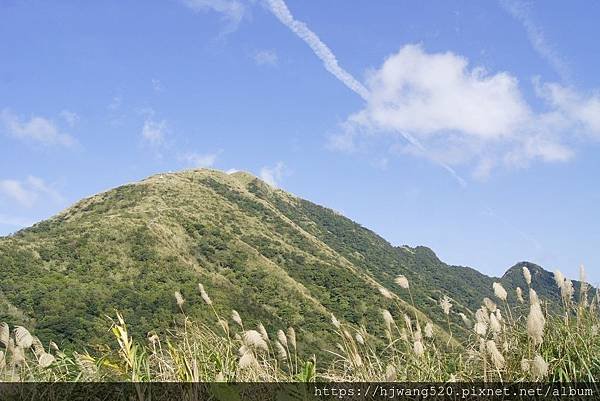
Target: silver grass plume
525	365
390	373
429	330
527	275
408	323
497	358
388	319
179	299
495	326
46	360
224	325
539	368
282	338
402	282
446	304
417	335
38	348
386	293
536	323
481	328
281	352
235	316
418	349
490	305
247	361
335	322
482	321
254	339
18	355
559	279
4	334
263	332
583	290
500	292
565	285
569	290
23	338
292	336
482	315
520	295
466	321
533	297
204	295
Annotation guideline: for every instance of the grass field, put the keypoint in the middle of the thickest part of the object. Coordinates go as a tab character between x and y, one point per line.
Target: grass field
527	343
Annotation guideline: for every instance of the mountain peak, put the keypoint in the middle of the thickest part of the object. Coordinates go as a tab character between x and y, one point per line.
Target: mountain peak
270	256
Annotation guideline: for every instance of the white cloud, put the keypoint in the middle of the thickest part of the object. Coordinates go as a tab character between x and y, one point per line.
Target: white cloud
281	11
520	11
273	175
115	103
154	132
233	11
428	93
200	160
36	129
266	57
573	108
458	114
29	191
157	85
15	190
70	117
232	171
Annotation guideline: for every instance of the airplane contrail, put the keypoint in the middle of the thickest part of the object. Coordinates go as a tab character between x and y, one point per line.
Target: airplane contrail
284	15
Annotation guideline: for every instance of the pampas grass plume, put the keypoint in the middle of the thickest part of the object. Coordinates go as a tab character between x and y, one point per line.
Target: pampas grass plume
402	282
204	295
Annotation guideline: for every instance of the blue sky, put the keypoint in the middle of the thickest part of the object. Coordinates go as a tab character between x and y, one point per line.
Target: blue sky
469	127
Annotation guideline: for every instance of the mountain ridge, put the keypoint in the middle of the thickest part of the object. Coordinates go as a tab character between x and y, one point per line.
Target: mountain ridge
275	257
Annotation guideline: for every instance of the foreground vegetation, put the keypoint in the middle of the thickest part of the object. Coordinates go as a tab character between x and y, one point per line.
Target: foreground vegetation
526	343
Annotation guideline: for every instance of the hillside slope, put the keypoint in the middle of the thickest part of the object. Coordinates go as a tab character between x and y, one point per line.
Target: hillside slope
272	256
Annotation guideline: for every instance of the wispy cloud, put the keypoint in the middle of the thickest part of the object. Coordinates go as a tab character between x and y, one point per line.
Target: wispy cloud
266	57
157	85
27	192
71	118
576	111
281	11
36	129
115	103
273	175
199	160
520	11
233	11
154	132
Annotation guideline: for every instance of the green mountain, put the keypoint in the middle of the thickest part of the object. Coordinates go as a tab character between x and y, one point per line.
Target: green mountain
270	255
